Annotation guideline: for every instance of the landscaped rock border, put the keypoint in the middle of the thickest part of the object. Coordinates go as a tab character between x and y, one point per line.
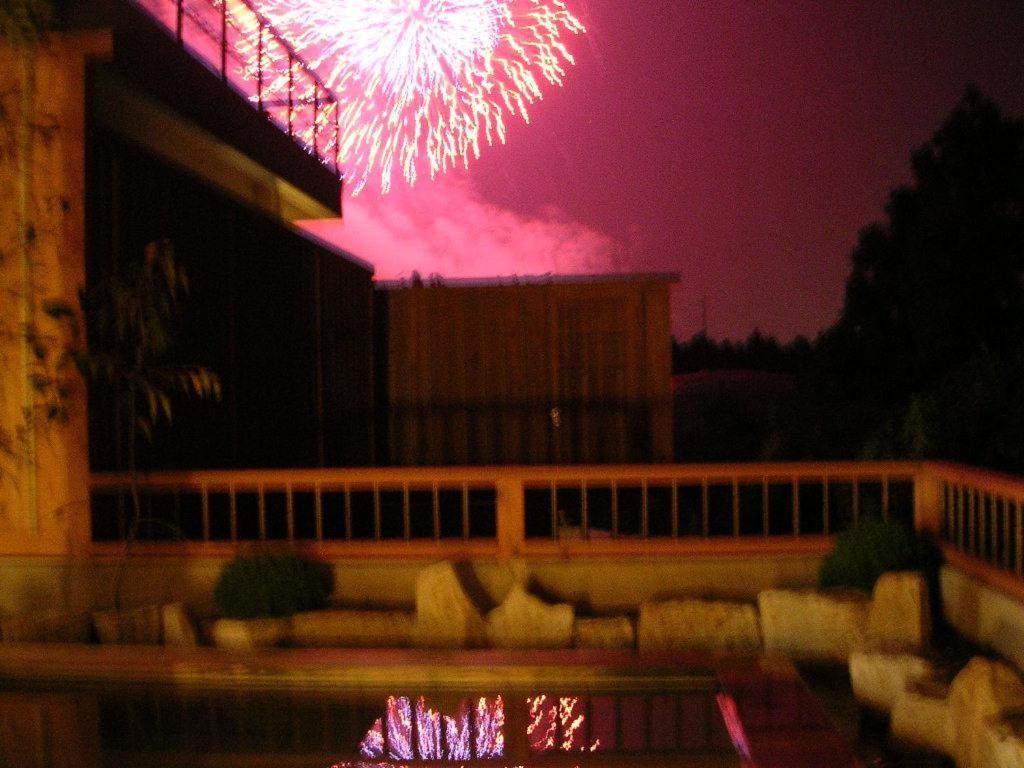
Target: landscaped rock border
351	629
1003	743
818	626
900	612
981	693
179	629
976	720
250	634
607	632
447	615
922	717
454	610
525	621
879	677
693	624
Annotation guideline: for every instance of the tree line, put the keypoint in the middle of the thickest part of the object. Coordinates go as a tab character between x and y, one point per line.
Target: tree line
926	359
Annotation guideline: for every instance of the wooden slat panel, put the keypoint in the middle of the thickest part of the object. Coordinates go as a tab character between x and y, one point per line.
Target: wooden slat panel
464	360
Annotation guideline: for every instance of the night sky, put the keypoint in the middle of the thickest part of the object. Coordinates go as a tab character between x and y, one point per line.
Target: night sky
741	145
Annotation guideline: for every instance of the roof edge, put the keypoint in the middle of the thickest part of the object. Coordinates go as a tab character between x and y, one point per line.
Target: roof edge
504	281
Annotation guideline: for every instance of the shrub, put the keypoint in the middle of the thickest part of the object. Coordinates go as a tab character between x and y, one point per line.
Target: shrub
265	584
872	547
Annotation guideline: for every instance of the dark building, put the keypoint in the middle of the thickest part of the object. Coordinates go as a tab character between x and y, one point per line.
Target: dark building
174	155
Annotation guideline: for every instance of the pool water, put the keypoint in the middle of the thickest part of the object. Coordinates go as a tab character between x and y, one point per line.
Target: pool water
620	712
156	727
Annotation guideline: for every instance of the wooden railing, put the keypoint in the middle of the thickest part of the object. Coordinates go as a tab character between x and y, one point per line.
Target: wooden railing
979	517
509	511
570	511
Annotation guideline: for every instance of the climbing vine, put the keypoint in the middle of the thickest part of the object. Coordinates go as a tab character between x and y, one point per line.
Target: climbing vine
25	21
35	337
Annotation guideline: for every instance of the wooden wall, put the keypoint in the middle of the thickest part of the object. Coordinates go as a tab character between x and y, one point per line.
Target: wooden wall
44	470
559	372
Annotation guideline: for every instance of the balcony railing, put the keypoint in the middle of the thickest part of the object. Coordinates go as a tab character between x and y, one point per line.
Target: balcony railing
979	517
577	511
507	511
250	55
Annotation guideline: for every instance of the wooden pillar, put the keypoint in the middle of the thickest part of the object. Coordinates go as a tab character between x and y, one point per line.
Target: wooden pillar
511	519
928	499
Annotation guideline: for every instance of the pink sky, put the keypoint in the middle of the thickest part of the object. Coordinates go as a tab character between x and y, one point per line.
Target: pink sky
742	145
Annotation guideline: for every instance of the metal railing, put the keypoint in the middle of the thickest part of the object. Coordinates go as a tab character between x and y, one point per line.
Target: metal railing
249	54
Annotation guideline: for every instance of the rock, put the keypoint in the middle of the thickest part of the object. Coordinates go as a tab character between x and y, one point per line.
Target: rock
179	629
879	677
250	634
45	627
446	615
899	610
709	625
351	629
138	626
611	632
980	693
986	615
921	717
1003	745
525	621
805	624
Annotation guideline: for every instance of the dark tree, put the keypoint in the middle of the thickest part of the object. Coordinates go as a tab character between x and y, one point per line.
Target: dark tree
941	280
757	353
932	329
927	357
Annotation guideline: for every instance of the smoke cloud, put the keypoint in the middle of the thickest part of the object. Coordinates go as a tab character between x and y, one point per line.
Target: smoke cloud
446	227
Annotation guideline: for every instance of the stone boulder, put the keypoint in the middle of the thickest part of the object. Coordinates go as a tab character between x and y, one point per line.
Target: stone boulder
525	621
921	717
250	634
1003	744
879	677
52	626
447	616
178	627
980	693
612	632
804	624
987	615
351	629
693	624
899	610
135	626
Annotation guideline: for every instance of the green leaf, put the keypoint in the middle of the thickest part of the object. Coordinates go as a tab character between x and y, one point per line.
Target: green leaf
165	405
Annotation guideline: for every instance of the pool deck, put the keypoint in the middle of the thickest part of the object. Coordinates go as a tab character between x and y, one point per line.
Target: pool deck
286	668
782	723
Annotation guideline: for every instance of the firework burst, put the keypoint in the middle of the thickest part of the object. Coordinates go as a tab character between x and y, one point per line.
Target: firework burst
424	83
